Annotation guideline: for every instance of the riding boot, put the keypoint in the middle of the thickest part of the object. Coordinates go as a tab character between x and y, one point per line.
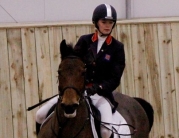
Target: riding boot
37	128
112	135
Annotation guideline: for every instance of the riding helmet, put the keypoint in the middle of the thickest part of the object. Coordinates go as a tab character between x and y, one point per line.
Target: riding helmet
104	11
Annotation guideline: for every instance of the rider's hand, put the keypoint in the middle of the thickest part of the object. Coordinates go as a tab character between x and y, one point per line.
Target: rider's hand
93	89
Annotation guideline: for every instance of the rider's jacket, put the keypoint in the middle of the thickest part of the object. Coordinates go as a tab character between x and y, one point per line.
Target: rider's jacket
106	67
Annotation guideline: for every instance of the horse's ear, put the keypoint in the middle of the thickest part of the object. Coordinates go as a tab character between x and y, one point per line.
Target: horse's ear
63	46
65	49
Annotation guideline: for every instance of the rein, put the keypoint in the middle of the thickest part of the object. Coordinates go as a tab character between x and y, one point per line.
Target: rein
102	123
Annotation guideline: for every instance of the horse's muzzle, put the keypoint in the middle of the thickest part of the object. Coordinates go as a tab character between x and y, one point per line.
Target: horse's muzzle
69	110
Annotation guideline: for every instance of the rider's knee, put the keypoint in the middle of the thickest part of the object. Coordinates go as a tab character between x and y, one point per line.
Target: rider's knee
105	132
40	117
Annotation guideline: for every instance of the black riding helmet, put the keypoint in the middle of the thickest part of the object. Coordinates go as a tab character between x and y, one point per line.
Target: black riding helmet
104	11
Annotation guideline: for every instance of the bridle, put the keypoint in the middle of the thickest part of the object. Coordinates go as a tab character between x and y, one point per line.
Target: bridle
61	93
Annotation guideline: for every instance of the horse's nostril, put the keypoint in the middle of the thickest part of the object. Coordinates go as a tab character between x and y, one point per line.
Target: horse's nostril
75	106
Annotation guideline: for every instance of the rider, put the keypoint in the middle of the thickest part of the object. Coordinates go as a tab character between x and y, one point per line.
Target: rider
105	62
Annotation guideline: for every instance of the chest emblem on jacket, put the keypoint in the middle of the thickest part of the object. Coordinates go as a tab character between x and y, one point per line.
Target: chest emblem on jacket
107	57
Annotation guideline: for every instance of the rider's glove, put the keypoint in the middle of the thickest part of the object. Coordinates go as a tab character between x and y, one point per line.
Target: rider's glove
95	88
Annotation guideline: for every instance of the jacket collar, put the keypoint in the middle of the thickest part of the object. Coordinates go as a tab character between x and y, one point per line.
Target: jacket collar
108	39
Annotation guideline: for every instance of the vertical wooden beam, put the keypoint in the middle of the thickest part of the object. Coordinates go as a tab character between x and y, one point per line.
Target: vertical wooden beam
139	61
154	83
167	80
55	38
17	83
30	76
43	63
6	127
175	46
127	80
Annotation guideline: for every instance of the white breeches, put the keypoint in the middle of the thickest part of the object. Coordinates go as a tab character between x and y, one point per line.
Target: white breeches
43	111
106	114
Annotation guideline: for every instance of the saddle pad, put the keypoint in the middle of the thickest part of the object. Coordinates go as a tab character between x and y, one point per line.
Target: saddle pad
122	129
49	116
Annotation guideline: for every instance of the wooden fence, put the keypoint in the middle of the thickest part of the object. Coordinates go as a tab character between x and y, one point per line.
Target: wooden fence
29	58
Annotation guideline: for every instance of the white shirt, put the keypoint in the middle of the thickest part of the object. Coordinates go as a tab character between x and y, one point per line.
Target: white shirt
100	42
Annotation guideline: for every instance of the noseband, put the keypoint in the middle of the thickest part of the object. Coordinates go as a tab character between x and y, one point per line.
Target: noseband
61	92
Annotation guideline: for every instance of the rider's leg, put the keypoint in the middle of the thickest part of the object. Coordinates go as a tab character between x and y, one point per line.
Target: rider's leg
37	128
43	111
106	114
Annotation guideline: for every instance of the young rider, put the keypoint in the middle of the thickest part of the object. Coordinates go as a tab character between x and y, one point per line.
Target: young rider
105	62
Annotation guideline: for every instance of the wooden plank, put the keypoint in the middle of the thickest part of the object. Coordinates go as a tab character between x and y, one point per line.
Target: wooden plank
114	32
139	61
175	46
6	127
69	34
43	63
30	76
127	80
55	38
17	83
154	83
167	80
82	30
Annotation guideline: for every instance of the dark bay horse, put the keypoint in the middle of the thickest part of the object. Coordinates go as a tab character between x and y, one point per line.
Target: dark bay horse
71	117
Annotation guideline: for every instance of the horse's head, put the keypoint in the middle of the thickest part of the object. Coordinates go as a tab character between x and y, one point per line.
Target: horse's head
71	76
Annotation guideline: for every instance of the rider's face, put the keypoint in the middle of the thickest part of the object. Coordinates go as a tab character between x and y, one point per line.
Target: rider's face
105	26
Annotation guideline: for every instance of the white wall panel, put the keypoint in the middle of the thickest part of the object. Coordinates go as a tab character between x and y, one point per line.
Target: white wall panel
71	10
22	10
56	10
154	8
78	9
4	16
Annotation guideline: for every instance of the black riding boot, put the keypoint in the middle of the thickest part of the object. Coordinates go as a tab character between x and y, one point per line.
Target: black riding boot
37	128
112	135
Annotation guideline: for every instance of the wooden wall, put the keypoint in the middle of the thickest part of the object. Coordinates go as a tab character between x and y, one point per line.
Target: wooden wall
29	59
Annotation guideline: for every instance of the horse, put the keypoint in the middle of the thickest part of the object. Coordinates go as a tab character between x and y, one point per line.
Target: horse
71	116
